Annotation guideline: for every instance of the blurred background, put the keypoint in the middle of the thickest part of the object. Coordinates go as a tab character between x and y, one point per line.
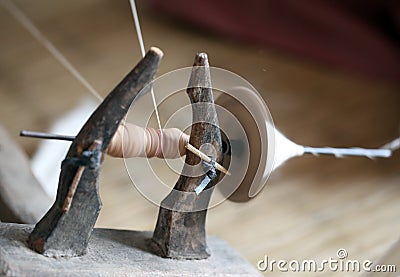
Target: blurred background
329	72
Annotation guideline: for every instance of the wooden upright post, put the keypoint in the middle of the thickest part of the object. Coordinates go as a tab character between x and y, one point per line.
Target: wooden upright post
180	231
66	228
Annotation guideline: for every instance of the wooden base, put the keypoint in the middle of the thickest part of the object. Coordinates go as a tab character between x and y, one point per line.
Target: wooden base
116	253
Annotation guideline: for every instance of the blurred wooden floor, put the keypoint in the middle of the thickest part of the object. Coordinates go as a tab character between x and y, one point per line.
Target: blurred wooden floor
311	206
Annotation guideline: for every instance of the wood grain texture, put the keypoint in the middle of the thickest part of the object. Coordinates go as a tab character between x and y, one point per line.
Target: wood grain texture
64	232
180	230
389	263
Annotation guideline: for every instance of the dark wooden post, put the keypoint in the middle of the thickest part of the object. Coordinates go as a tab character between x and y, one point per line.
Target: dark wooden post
67	226
180	229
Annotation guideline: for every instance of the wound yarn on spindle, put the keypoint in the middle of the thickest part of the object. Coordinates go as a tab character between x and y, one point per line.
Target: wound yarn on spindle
134	141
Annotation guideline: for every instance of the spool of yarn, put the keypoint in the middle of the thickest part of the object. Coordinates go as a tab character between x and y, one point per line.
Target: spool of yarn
134	141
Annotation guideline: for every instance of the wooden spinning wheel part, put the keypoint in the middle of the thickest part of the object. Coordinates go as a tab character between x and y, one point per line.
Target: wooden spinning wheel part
248	108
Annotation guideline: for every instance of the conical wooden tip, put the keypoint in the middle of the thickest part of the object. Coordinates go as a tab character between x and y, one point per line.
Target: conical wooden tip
201	59
157	51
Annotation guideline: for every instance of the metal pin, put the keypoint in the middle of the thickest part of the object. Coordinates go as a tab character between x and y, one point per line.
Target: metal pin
32	134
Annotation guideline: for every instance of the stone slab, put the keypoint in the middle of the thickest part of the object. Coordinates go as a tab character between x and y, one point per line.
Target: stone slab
114	253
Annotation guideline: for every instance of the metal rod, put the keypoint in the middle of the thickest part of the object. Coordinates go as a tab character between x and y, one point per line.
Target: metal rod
194	150
340	152
32	134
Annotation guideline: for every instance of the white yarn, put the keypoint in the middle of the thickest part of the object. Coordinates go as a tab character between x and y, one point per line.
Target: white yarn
143	51
393	145
285	149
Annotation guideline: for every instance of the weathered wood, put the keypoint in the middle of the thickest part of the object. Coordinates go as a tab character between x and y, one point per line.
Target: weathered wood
180	230
22	198
66	233
114	253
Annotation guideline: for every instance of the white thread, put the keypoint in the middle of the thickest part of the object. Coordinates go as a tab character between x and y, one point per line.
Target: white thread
142	49
393	145
24	20
286	149
356	151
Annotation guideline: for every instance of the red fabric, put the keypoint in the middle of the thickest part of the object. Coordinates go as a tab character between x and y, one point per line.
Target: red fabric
359	36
